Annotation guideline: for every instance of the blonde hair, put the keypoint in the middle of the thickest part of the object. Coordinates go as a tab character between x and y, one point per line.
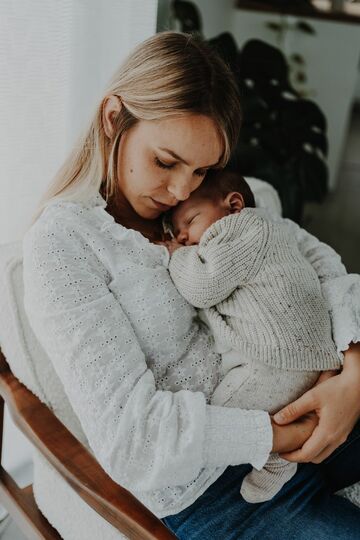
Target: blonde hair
169	74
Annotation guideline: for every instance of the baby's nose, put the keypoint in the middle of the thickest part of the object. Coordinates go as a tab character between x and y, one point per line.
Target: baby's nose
181	237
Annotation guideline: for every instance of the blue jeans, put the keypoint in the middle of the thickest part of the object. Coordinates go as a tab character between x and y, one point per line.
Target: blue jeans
305	509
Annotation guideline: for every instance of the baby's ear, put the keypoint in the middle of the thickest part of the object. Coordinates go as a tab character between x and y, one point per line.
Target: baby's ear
234	202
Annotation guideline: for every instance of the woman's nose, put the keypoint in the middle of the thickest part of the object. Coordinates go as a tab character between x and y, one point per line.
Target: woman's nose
180	189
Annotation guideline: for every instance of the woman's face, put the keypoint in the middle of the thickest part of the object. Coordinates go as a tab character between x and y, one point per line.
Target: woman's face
160	162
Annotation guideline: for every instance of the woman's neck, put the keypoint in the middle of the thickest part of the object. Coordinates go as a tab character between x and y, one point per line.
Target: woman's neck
124	214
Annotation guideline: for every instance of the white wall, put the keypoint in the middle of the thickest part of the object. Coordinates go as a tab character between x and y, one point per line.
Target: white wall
55	58
215	15
104	33
34	66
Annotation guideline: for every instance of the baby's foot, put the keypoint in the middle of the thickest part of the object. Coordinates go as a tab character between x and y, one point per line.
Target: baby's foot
263	485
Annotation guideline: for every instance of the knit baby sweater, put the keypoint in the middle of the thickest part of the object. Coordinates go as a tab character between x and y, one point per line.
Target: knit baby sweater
262	297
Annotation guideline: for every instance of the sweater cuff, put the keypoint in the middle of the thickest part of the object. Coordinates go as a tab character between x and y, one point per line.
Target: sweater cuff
235	436
342	295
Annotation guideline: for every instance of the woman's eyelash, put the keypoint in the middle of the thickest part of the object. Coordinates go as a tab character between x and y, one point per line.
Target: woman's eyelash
163	165
201	172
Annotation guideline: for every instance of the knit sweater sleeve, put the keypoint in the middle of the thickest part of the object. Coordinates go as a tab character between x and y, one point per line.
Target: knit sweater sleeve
340	289
229	253
144	438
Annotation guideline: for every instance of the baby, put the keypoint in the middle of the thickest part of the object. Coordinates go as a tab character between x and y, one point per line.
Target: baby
262	301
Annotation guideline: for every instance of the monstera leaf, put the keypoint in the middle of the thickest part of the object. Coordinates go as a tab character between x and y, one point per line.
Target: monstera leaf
283	136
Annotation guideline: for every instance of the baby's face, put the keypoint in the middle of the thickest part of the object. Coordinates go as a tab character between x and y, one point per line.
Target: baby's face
192	217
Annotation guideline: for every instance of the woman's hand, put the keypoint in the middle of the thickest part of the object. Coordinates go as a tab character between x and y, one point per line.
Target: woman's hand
292	436
336	400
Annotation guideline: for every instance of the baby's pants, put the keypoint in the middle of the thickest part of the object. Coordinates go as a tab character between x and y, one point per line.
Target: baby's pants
255	386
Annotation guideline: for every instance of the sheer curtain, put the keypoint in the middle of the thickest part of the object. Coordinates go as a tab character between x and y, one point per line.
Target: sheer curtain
55	58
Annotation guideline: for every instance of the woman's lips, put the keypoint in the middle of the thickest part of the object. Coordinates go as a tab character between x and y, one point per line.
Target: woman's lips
161	206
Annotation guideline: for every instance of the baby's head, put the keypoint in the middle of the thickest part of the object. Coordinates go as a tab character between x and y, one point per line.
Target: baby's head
220	194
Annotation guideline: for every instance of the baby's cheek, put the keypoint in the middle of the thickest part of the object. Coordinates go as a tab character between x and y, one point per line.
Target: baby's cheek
198	232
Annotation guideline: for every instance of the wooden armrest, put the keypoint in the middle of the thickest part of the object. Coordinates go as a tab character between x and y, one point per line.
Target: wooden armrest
75	463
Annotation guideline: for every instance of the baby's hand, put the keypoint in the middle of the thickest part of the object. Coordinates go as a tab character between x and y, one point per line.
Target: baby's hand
171	245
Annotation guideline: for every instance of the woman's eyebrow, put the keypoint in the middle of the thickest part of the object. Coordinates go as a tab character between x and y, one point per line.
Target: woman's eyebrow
175	156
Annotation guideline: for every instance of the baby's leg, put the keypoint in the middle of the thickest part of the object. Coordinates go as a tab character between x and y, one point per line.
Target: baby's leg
257	386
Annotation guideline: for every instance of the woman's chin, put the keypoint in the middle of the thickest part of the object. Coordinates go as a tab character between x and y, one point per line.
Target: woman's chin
148	213
152	209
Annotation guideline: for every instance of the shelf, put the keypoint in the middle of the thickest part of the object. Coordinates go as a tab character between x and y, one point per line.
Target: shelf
321	10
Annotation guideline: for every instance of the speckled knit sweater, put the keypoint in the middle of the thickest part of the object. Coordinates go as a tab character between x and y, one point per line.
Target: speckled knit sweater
263	297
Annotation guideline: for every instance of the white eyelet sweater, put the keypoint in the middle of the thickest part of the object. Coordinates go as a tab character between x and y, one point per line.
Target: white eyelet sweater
261	296
136	362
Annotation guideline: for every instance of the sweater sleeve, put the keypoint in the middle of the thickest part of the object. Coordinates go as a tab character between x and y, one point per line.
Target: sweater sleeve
229	253
144	438
340	289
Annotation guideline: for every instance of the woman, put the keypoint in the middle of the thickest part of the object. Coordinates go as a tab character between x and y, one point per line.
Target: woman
135	361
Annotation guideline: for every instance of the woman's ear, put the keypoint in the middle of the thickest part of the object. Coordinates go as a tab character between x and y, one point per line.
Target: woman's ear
234	202
110	110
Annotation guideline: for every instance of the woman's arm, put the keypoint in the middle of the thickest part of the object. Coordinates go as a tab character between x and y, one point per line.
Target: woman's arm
340	289
144	438
339	394
323	258
337	399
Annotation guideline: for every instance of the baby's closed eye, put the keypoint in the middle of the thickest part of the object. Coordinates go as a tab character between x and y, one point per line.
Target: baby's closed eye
192	219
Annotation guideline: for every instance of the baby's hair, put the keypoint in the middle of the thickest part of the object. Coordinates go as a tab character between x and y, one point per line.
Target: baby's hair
219	182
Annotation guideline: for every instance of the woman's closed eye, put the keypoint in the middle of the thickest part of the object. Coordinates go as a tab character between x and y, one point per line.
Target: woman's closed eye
163	165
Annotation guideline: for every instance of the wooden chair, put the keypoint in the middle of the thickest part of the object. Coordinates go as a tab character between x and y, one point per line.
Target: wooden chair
74	463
